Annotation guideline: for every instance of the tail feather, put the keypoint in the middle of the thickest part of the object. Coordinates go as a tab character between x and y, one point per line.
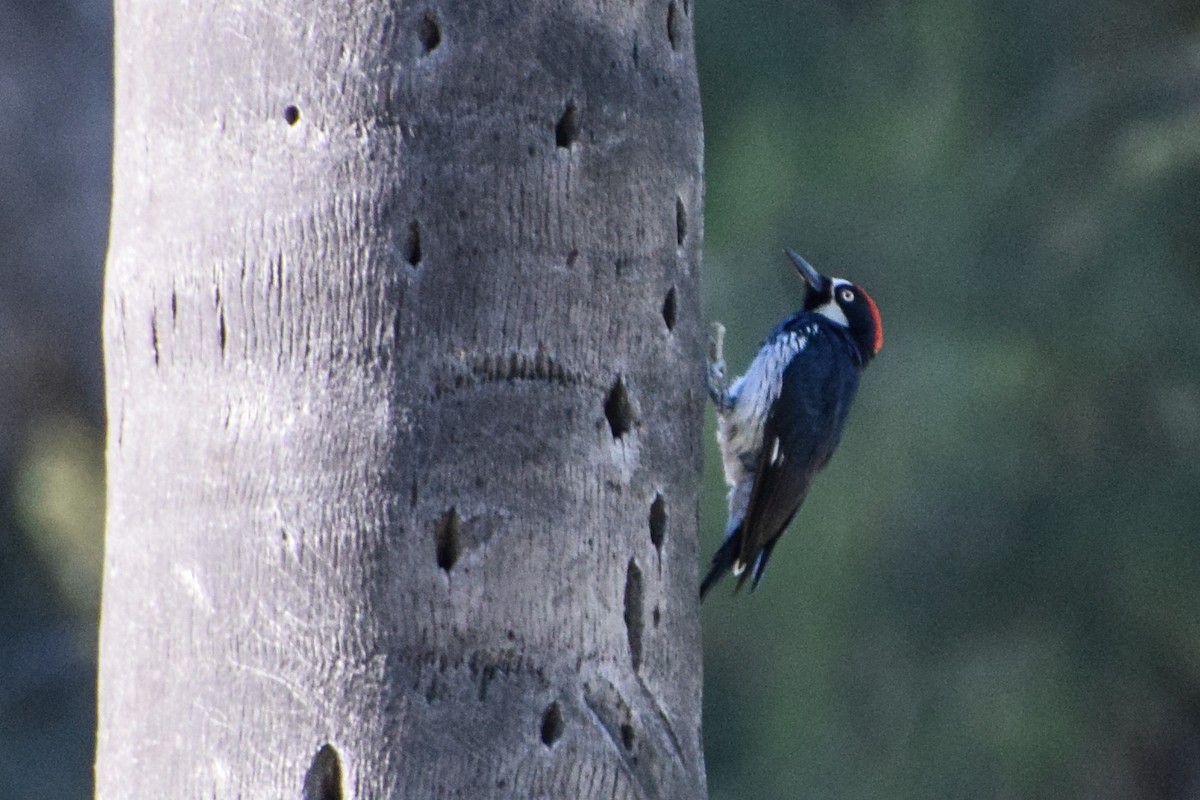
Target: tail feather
760	563
722	561
725	560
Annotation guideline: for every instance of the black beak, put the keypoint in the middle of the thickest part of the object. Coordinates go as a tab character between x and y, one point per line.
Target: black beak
818	282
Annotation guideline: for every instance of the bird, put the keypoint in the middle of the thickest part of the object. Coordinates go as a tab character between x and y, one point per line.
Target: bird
780	422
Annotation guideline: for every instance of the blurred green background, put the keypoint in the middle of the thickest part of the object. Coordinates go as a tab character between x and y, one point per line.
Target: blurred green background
994	589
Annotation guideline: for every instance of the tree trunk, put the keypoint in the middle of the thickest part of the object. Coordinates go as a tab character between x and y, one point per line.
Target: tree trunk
404	390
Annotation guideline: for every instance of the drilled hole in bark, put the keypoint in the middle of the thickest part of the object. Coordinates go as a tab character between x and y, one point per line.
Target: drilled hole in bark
680	221
627	736
447	535
572	258
566	132
633	611
412	244
658	521
657	616
552	724
618	410
291	115
154	336
323	781
673	25
669	309
429	32
222	335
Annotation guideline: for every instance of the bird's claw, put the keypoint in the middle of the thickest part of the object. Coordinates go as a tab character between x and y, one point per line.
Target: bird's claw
718	388
716	345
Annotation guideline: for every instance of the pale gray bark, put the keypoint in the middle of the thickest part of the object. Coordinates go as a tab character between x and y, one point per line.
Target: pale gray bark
404	389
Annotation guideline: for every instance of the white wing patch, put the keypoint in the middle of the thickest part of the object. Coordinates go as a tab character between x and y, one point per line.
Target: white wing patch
740	429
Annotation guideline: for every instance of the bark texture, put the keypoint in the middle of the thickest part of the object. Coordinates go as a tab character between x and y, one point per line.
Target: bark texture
404	388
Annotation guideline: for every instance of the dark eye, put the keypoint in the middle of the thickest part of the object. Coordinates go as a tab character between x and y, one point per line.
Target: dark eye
847	295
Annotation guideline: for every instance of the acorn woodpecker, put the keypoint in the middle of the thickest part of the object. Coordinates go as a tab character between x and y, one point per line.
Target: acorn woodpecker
779	423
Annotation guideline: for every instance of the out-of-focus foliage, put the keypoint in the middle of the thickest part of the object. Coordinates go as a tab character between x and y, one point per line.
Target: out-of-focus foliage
55	142
994	589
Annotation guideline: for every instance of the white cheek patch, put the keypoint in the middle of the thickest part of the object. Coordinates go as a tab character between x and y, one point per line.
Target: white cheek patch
833	312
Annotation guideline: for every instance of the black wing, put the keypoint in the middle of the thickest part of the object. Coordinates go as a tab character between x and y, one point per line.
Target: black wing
801	433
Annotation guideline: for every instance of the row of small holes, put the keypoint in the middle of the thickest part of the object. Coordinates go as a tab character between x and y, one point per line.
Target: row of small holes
222	328
553	726
448	533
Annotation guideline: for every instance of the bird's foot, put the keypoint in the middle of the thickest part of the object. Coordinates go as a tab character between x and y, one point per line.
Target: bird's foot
718	385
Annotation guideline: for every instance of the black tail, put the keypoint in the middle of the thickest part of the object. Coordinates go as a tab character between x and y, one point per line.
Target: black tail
722	561
760	564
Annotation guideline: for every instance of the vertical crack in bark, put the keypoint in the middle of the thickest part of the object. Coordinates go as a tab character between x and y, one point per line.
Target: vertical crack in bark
680	221
412	244
222	332
447	536
670	309
633	612
658	521
628	735
673	25
154	335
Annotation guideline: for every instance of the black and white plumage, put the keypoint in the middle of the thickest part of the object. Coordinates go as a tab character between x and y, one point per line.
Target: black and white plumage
779	423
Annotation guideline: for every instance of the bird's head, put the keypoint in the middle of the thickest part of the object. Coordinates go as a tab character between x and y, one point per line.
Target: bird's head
845	304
